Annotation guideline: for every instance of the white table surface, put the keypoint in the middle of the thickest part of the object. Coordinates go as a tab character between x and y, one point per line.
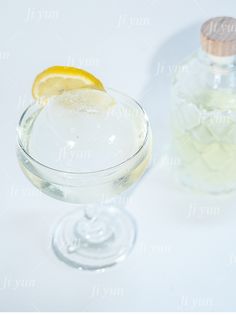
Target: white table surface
185	256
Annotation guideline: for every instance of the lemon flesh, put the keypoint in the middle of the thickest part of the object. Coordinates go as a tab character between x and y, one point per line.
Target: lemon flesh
55	80
86	99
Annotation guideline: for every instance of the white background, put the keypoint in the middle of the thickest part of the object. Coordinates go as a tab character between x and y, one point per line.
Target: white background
185	256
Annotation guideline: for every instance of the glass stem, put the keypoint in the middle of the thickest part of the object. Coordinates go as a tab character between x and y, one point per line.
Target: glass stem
91	212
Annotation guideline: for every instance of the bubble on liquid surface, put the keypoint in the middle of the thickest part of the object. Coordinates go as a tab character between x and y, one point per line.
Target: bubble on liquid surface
76	138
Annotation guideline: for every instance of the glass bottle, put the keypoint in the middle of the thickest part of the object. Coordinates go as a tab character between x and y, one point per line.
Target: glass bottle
204	110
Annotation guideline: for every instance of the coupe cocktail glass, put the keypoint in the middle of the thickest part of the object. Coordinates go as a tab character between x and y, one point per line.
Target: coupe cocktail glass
87	158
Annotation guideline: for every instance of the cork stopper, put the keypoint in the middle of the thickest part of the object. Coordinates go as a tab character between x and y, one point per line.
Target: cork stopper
218	36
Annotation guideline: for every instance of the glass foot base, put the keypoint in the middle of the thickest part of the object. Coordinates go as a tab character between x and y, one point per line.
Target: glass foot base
94	237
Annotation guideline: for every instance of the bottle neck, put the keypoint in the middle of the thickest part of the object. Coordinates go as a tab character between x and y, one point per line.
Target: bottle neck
221	62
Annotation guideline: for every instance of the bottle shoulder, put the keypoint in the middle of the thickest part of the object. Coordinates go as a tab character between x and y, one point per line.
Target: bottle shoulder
196	74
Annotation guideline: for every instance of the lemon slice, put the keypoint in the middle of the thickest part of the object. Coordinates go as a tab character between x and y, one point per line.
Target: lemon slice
55	80
86	99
